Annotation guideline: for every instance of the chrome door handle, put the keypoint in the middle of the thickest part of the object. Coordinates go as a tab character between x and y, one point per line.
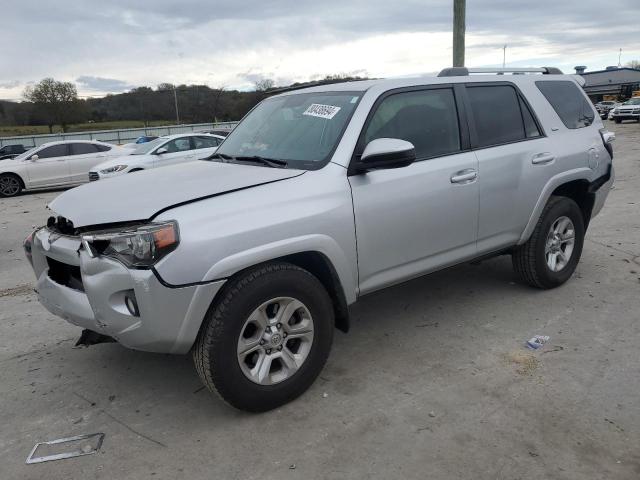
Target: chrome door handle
542	159
464	176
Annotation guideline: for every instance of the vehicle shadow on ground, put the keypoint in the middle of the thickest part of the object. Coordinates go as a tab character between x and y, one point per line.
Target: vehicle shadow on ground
168	380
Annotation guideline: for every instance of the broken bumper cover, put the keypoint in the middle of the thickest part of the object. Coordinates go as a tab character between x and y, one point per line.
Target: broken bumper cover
167	319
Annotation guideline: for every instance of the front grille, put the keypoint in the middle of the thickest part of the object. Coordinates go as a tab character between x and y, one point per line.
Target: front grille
64	274
93	176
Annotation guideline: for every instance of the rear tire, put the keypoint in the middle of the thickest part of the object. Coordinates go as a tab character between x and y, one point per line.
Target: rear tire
282	368
617	120
551	254
10	185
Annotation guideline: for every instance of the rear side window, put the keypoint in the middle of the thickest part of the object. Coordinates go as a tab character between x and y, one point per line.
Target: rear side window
206	142
82	148
102	148
426	118
496	113
568	101
530	127
53	151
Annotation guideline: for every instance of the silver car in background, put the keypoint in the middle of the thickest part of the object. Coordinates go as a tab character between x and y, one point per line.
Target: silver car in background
249	260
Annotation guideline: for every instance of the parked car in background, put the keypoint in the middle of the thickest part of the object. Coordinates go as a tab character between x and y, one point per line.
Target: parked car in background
222	132
250	260
140	140
53	164
629	110
160	152
11	151
604	107
610	115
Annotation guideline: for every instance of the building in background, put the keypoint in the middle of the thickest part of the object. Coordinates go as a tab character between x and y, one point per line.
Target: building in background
613	83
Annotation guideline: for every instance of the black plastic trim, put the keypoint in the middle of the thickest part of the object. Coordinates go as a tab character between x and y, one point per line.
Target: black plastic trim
600	181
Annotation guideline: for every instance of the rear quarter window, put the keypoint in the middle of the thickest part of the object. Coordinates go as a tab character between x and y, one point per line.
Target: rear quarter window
568	101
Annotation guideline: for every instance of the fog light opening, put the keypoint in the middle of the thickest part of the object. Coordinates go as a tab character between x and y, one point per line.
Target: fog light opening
131	303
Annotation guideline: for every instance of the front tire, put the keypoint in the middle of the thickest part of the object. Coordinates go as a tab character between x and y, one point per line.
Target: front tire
551	254
10	185
617	120
266	338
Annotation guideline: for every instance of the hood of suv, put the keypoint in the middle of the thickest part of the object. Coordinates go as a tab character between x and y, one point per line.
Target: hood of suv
140	195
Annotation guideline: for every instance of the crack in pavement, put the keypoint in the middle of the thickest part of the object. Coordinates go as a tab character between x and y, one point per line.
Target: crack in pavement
120	422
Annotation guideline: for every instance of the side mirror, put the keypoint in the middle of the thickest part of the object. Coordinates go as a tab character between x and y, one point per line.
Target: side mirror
162	150
34	157
383	153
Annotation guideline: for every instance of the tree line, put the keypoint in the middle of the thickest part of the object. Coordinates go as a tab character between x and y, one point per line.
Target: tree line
51	102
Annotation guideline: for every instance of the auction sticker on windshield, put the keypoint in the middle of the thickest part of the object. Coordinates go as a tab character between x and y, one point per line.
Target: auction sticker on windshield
322	111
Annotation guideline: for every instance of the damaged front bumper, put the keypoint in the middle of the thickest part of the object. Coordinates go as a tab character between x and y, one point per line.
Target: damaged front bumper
132	306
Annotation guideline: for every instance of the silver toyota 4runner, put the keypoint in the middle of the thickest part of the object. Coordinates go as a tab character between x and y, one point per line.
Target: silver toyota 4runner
249	259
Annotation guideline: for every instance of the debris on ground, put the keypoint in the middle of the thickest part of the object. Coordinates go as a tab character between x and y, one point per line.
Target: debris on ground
527	363
325	395
292	466
432	414
537	341
84	445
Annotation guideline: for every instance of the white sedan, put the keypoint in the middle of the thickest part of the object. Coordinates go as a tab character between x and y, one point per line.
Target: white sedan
54	164
160	152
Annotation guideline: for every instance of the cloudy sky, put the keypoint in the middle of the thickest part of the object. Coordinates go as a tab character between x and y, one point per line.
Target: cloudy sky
113	45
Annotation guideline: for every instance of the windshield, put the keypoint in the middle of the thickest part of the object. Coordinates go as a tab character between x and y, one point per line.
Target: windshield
302	129
26	154
145	148
633	101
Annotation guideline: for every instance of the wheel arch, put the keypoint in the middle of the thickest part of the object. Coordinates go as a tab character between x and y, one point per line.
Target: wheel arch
573	184
578	191
319	265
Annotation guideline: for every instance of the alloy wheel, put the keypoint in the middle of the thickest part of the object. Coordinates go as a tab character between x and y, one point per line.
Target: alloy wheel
275	340
559	244
9	186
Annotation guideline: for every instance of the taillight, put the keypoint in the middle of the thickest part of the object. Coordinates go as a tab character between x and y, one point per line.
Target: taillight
607	140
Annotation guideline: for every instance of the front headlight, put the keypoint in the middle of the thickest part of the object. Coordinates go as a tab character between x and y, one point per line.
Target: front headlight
116	168
141	246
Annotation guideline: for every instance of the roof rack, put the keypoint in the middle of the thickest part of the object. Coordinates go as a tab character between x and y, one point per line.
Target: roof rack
464	71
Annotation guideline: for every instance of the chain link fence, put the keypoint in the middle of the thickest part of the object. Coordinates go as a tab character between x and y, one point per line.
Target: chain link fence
117	136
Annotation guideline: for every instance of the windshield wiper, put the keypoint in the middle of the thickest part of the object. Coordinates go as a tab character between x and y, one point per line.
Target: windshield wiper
270	162
221	156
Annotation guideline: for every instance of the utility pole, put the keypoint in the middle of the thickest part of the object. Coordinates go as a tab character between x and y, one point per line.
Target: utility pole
619	57
459	10
175	98
504	55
